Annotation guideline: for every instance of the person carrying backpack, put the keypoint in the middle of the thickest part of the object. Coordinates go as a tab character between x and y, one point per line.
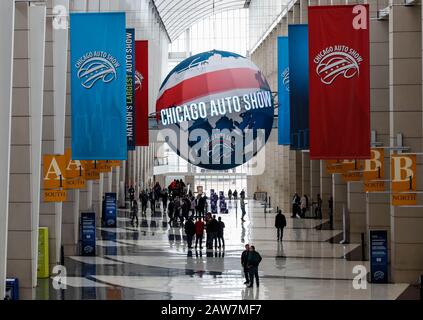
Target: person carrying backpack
253	262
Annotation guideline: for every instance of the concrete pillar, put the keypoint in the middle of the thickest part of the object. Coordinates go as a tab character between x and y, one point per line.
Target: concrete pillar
325	189
356	199
405	78
298	172
339	193
377	215
305	174
20	227
314	179
7	34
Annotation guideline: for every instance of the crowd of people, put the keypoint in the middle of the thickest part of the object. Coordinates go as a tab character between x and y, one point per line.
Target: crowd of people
191	213
301	205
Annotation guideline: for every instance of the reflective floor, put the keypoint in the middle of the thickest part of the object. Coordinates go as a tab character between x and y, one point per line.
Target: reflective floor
153	262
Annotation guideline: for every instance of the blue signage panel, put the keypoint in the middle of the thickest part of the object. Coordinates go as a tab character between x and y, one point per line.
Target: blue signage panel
87	233
12	289
298	85
109	209
379	256
284	134
98	86
130	88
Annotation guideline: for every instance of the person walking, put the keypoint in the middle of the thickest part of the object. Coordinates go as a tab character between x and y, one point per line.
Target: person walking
171	212
230	194
330	202
165	197
295	205
244	263
189	231
220	231
318	210
213	226
235	194
242	194
131	192
253	262
199	232
201	206
144	201
134	212
243	209
303	206
280	224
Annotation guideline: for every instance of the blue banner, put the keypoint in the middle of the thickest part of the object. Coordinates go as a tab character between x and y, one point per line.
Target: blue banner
284	134
130	88
379	256
298	85
98	86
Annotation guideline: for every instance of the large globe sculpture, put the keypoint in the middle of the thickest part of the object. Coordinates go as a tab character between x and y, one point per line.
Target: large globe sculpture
215	109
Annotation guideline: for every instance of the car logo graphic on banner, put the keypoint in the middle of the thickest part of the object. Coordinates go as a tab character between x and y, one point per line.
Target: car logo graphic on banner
96	66
285	79
335	61
138	80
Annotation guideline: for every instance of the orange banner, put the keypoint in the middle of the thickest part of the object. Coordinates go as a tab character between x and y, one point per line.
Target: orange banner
404	199
333	166
74	168
75	183
374	186
403	172
54	167
104	166
374	168
352	176
55	195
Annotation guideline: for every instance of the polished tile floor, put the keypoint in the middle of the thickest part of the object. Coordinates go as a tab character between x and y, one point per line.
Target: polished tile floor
153	262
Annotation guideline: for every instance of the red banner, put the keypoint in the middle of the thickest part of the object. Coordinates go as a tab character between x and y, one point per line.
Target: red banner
141	92
339	68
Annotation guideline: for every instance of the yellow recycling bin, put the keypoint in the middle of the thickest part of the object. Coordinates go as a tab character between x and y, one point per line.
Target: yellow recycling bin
43	262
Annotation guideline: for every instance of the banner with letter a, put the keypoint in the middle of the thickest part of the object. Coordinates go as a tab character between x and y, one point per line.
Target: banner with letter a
141	92
283	92
98	86
298	85
130	88
339	82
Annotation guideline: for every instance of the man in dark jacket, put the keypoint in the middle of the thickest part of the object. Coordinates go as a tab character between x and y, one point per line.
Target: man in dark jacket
190	231
280	223
212	229
244	263
253	261
201	206
221	227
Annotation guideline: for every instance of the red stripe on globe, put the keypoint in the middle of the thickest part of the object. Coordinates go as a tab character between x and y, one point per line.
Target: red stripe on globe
215	110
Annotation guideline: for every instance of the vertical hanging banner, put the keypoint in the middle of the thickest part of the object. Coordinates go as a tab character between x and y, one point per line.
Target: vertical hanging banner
374	171
54	167
283	92
141	92
339	82
130	88
403	175
98	86
298	85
